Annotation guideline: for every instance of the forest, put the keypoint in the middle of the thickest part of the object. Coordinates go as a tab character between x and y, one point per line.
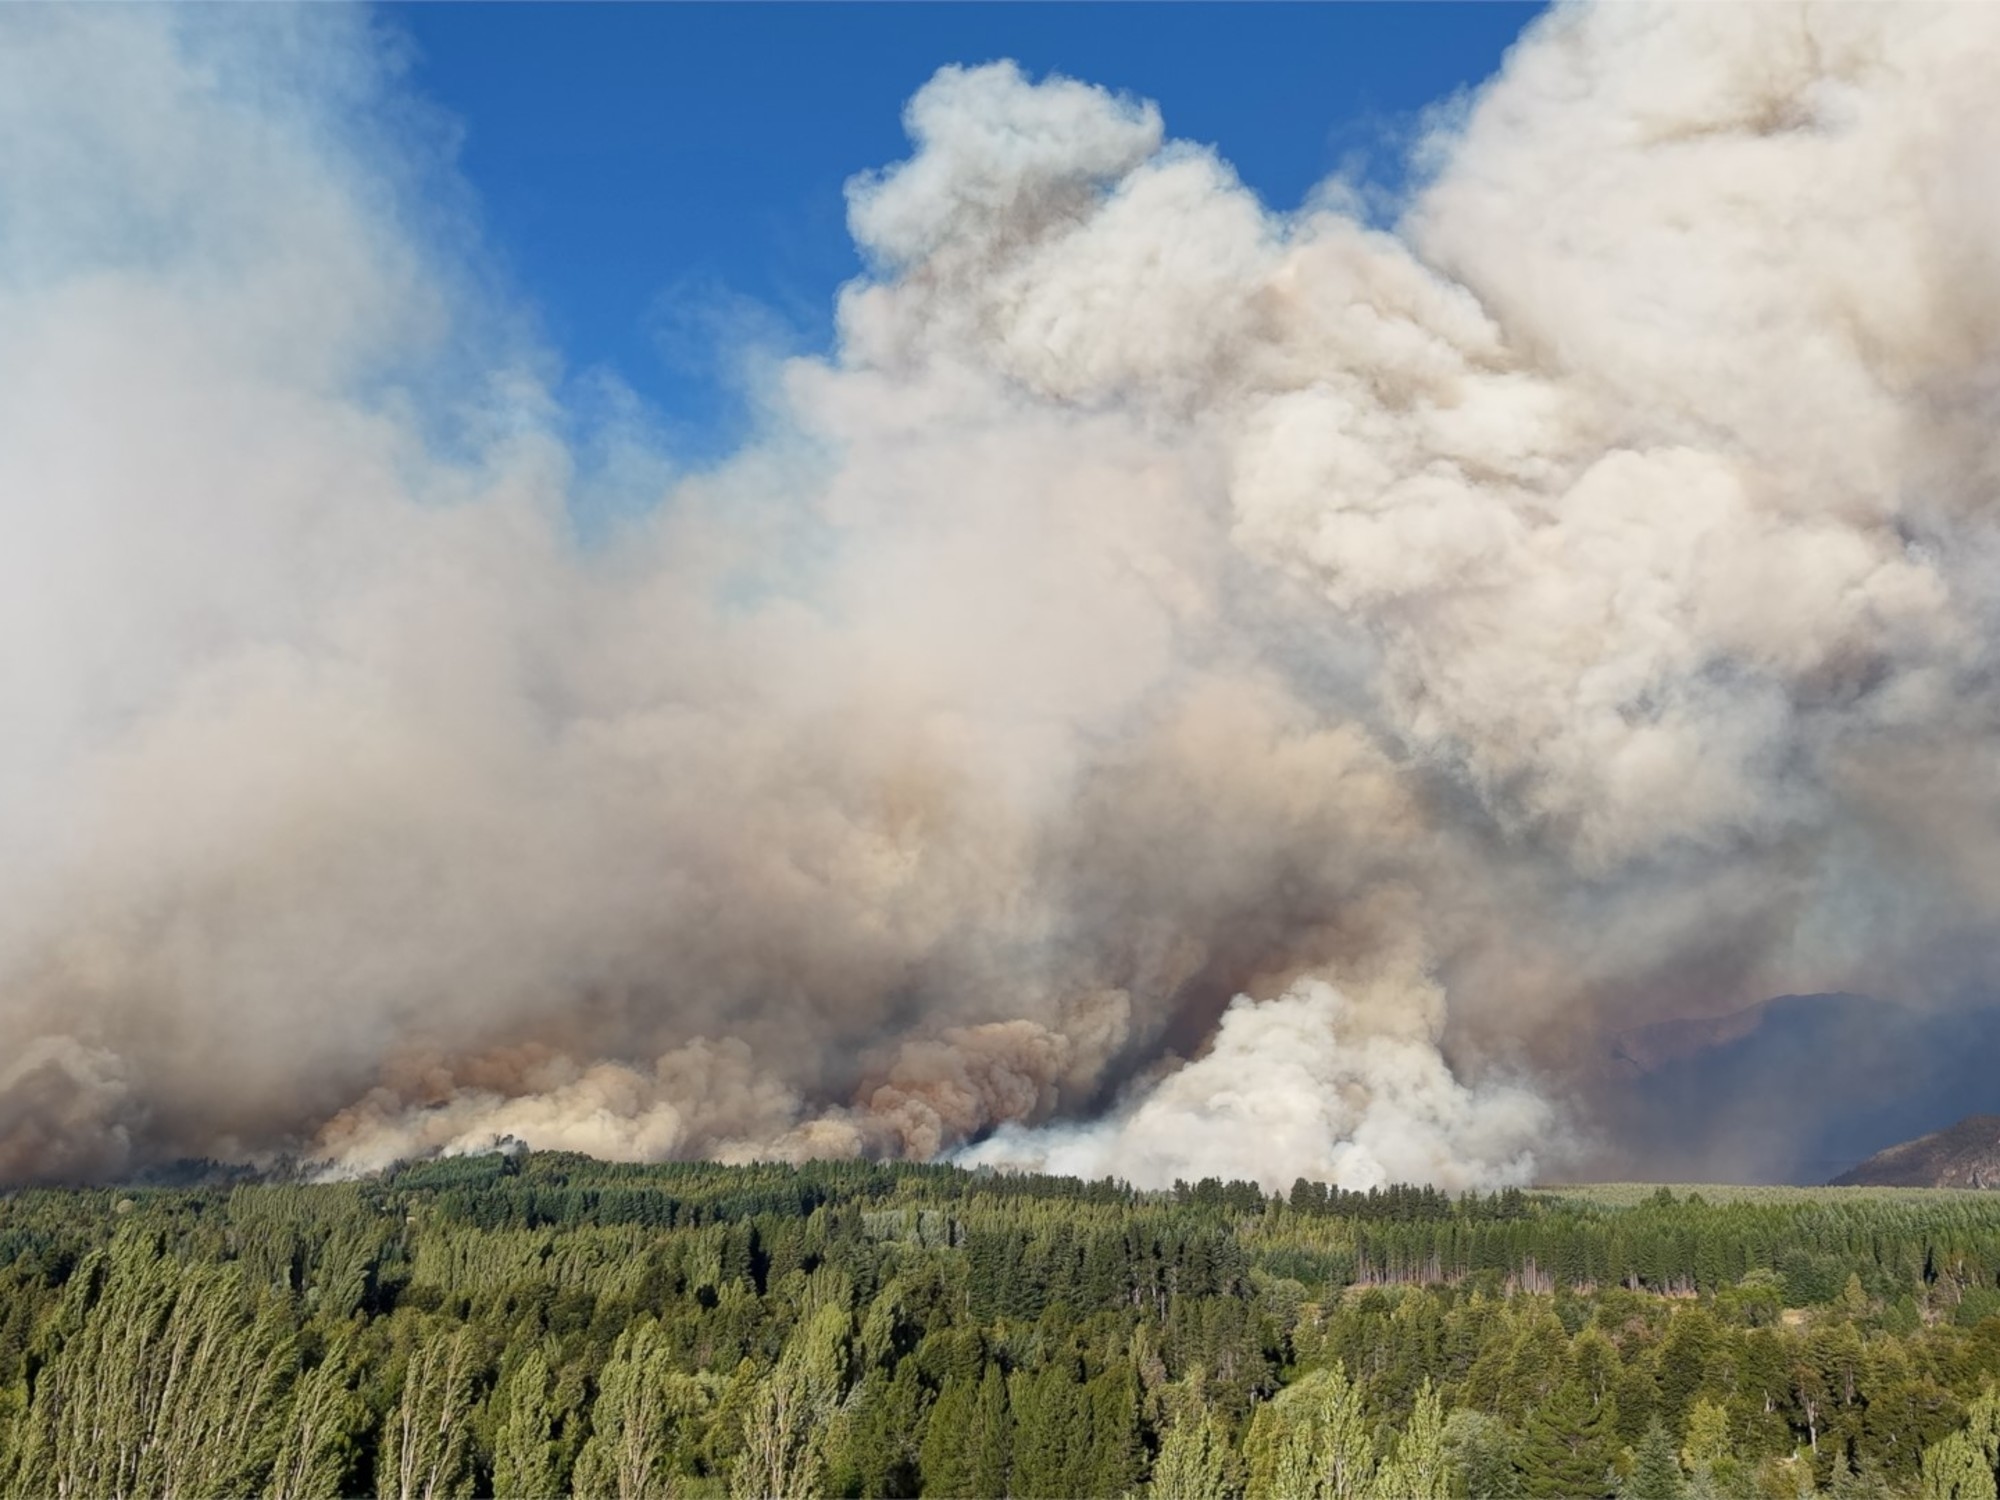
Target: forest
532	1324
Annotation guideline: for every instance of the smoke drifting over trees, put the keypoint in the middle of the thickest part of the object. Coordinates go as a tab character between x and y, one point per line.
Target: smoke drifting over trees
1569	609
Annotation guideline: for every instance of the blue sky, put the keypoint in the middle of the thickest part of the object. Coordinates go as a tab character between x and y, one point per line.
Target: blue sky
661	180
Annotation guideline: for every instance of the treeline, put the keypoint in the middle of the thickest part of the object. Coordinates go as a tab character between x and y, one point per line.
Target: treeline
545	1324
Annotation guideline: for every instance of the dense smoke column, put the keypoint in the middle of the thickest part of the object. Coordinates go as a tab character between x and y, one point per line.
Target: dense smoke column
1567	611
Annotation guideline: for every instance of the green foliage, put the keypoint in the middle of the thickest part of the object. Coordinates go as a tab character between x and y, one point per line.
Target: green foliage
525	1456
1706	1451
1419	1465
426	1439
644	1401
161	1378
1313	1442
1567	1451
324	1428
1194	1461
1954	1468
1982	1425
1486	1453
788	1426
542	1324
968	1442
884	1436
1656	1472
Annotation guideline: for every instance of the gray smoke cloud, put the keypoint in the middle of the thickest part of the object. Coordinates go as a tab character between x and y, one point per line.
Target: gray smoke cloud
1181	689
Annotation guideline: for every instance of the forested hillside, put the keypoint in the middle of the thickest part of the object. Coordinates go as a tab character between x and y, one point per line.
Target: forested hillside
537	1325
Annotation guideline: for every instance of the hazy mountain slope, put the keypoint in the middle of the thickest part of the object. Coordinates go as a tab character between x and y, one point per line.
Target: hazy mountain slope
1965	1155
1797	1088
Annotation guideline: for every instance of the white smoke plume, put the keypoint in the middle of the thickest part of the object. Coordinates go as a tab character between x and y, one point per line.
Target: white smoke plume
1180	689
1300	1086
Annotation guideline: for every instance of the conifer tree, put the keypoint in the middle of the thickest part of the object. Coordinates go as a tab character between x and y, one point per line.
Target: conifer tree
1853	1483
991	1437
1656	1473
1566	1450
151	1340
947	1458
1113	1462
967	1437
1050	1436
1853	1303
884	1433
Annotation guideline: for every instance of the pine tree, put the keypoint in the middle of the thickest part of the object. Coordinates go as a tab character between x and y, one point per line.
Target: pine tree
1683	1360
1050	1440
1113	1461
1853	1303
991	1437
1852	1483
947	1459
157	1346
1566	1451
1656	1473
884	1434
967	1439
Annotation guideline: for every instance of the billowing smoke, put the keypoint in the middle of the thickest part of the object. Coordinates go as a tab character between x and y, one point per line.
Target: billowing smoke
1181	689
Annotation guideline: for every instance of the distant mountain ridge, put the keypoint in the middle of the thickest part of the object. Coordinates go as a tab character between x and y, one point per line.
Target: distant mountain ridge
1965	1155
1649	1048
1796	1088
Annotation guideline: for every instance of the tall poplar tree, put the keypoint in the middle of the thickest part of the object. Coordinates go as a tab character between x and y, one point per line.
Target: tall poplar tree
788	1428
1313	1442
628	1456
426	1441
322	1428
1418	1466
1194	1461
524	1451
168	1379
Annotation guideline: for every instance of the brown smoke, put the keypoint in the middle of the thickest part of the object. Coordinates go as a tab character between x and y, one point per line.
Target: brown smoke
1181	688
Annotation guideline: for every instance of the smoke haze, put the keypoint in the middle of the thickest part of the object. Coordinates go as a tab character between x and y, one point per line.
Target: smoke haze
1181	689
